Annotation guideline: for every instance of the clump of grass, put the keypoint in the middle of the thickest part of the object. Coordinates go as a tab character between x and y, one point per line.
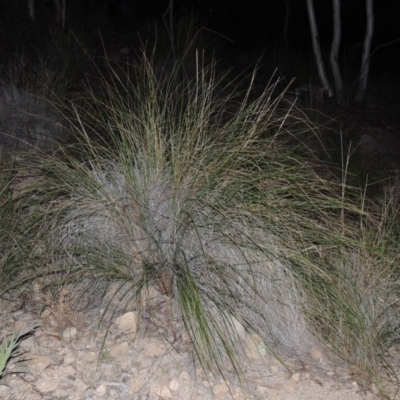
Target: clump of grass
179	185
7	347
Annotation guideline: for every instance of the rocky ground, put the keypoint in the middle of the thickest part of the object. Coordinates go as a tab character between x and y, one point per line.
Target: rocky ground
69	356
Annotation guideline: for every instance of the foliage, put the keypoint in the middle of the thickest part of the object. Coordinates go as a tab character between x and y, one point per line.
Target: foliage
184	185
7	347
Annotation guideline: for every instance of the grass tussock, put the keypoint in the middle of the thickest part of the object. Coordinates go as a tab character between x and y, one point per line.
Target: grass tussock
182	185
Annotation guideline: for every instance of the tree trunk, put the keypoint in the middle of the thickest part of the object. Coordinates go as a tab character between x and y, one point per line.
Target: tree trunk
317	50
362	85
337	32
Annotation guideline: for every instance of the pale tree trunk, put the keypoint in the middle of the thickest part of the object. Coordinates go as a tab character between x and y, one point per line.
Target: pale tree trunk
362	86
317	50
337	32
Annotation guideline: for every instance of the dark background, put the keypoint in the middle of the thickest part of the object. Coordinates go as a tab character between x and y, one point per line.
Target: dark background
252	23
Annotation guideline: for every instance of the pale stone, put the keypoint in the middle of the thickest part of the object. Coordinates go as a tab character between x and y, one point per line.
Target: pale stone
315	353
374	389
120	351
67	370
31	394
80	385
28	378
88	357
283	375
52	374
38	362
239	328
236	326
64	352
165	393
4	390
20	325
69	333
162	392
147	295
355	385
255	347
136	384
261	390
127	323
184	377
220	390
174	385
101	390
155	349
69	358
239	394
274	369
295	377
47	385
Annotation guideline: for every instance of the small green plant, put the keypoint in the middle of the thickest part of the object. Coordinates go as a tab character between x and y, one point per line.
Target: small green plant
105	356
7	348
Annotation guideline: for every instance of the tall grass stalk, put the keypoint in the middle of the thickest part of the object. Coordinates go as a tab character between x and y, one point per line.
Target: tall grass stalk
182	185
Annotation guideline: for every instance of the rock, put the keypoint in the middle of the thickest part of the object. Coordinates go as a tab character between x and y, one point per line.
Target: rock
255	347
101	390
162	392
221	390
69	333
315	353
238	328
88	357
67	370
45	385
174	385
38	363
154	349
283	374
127	323
69	358
120	351
80	385
295	377
274	369
136	384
